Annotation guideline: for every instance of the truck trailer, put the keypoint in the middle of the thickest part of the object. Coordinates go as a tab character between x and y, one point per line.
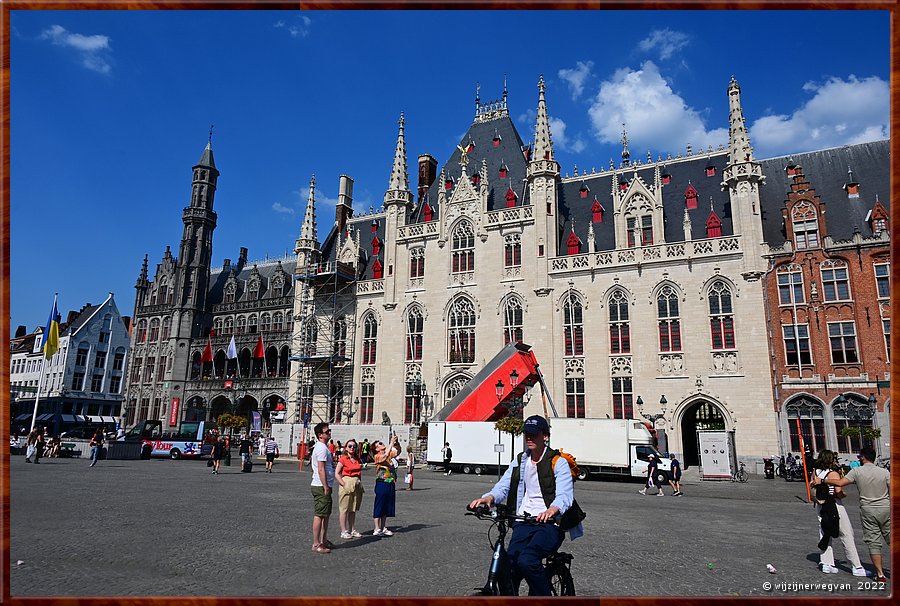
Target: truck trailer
478	447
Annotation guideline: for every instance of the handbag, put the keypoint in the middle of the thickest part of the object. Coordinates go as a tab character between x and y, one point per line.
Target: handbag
209	462
408	479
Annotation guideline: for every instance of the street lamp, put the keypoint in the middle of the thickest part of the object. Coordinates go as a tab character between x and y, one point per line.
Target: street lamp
653	418
516	406
499	387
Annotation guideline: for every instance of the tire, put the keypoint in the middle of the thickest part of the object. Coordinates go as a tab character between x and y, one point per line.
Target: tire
175	454
478	469
743	476
561	582
467	469
583	474
662	478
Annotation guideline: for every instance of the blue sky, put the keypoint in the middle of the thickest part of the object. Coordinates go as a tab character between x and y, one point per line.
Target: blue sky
111	109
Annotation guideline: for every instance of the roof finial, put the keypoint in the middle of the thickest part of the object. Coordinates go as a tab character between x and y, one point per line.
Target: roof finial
477	95
849	174
210	133
541	84
504	89
625	153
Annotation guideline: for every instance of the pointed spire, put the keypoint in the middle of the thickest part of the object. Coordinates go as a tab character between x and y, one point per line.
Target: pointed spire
308	233
592	243
206	158
504	90
849	174
543	144
399	178
144	269
626	155
739	149
477	97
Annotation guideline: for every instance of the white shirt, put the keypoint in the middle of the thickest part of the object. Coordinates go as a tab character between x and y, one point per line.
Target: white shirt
533	502
321	453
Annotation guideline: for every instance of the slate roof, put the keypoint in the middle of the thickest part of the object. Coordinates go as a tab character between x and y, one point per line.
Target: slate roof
85	315
826	171
267	269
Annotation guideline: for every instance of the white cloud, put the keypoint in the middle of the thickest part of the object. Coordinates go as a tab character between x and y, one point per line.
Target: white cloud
666	41
561	140
528	117
299	29
653	113
321	199
841	112
92	50
576	77
281	208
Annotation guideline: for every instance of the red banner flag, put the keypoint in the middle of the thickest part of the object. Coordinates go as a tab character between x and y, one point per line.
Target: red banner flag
259	351
207	352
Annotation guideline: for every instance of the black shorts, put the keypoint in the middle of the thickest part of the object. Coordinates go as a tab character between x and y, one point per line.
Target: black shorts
270	456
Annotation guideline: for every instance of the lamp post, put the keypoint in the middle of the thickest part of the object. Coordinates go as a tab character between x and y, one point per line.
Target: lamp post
517	404
499	387
653	418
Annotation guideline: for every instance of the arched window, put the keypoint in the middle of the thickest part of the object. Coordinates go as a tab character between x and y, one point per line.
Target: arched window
639	227
463	249
669	321
195	365
512	321
340	337
217	326
461	331
852	411
454	386
415	325
230	289
141	332
309	336
241	324
253	292
154	330
573	326
805	225
370	339
228	326
512	246
251	324
619	323
277	288
812	423
835	280
163	294
277	321
265	323
416	262
166	328
721	316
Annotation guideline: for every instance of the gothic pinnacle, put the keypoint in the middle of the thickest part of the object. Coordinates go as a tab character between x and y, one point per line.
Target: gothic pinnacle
308	232
543	144
399	179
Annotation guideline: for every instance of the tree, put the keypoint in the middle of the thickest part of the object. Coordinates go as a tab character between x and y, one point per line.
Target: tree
232	421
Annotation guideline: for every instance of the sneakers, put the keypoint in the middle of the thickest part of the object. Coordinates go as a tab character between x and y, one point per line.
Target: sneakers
660	493
355	534
677	493
377	532
828	569
859	571
346	535
386	532
642	491
881	578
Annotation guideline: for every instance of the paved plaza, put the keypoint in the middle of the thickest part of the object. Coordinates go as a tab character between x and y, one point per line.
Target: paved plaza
163	527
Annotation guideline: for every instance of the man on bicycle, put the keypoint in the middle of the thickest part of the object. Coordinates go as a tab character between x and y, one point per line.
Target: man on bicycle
532	484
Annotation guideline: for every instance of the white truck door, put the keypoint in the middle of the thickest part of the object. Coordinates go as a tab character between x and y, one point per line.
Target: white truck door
639	458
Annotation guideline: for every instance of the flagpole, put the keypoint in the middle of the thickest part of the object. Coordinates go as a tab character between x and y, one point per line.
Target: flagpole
37	397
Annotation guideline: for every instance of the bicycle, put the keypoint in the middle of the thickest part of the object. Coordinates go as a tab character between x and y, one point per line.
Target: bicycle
741	475
884	462
556	565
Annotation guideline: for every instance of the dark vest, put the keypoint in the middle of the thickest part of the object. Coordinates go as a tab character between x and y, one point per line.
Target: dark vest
546	479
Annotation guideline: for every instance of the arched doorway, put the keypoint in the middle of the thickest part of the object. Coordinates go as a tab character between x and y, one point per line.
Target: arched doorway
244	405
219	405
701	414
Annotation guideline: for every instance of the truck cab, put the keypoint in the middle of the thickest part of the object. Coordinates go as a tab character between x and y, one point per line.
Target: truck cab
640	460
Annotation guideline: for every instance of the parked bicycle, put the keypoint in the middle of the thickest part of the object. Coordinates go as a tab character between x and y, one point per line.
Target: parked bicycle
741	475
884	462
499	582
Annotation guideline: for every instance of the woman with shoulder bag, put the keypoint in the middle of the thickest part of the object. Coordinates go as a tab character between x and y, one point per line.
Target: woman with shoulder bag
832	516
385	486
347	473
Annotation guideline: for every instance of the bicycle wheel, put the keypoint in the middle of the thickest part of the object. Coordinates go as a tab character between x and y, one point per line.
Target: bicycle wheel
561	582
743	476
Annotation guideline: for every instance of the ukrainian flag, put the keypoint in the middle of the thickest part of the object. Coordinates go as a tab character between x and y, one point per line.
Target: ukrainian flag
50	338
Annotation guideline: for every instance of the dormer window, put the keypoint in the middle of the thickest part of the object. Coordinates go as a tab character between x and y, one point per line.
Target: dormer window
597	211
476	178
527	152
503	171
792	170
805	225
471	147
573	244
623	185
710	171
448	183
374	226
427	212
666	179
377	270
851	187
497	139
510	198
713	226
376	246
584	191
690	197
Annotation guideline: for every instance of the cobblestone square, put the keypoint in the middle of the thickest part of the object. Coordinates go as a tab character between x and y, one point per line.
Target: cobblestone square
163	527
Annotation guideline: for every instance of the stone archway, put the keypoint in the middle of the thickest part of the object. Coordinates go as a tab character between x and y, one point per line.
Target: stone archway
218	405
700	414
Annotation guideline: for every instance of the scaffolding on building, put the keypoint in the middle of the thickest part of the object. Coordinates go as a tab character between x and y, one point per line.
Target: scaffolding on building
325	331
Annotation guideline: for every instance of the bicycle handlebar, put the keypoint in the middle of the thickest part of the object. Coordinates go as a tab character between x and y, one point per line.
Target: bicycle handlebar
501	512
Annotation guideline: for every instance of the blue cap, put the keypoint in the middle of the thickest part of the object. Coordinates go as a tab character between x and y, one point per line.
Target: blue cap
536	424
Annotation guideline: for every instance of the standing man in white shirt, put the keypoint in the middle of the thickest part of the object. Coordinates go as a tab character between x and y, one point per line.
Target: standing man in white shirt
322	464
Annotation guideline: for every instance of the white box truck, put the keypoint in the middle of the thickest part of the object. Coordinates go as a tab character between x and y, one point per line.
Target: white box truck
608	446
477	446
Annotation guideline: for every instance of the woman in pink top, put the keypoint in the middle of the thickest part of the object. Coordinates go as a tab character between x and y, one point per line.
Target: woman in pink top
347	474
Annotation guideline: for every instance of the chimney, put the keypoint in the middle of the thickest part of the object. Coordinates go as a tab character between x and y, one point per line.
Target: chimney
71	317
427	174
242	257
21	331
344	208
226	264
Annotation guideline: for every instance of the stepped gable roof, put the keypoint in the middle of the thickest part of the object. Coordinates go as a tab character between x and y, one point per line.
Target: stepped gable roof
83	316
509	153
683	172
267	269
826	171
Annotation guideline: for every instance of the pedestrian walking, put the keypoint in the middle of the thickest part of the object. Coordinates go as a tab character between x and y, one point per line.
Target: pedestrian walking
332	448
652	468
364	452
271	449
385	486
347	473
675	475
96	445
245	449
874	485
322	464
31	446
447	453
410	466
261	444
833	519
38	447
218	452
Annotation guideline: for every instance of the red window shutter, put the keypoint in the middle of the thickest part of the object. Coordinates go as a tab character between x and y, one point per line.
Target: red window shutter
510	198
690	196
573	244
583	192
471	148
663	337
579	341
503	172
476	178
666	179
448	184
496	141
614	339
427	212
377	271
623	185
710	171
